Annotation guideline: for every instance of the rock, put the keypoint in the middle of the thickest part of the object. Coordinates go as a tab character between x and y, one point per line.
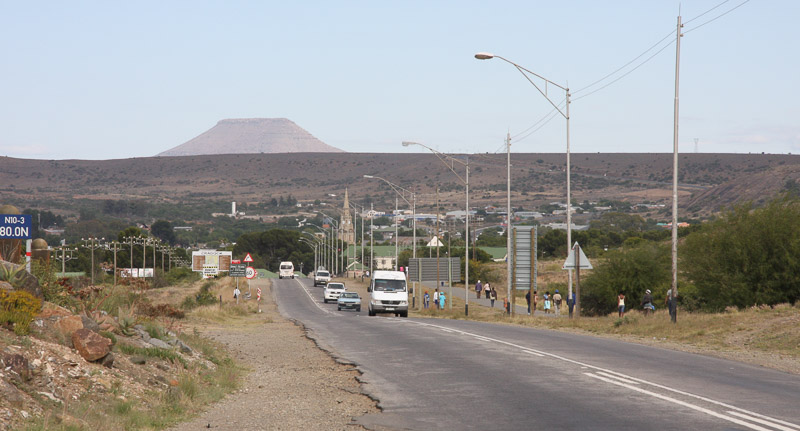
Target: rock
184	348
52	310
162	367
9	393
158	343
49	396
138	360
89	323
108	360
91	345
67	325
18	364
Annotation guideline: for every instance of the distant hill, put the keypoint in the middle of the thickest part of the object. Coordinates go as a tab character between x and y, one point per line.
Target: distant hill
252	136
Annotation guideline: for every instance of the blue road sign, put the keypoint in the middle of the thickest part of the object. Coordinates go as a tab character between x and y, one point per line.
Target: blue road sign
15	226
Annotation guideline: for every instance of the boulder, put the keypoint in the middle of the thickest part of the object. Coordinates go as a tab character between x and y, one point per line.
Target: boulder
67	325
158	343
138	360
91	345
52	310
89	323
108	360
18	364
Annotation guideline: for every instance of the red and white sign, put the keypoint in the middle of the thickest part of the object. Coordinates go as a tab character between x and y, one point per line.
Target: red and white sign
251	272
258	294
248	258
236	261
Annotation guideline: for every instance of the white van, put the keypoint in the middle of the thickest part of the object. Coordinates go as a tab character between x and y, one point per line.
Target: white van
286	270
388	293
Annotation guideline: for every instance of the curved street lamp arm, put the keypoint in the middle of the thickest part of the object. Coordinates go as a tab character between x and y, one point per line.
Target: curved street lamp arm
444	158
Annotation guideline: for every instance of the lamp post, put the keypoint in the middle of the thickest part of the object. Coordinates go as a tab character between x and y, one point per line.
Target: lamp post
115	247
465	180
64	257
92	243
323	251
565	114
401	192
336	237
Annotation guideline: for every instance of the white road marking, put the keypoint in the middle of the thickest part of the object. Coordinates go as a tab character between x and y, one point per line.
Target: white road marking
611	376
532	353
772	423
631	379
679	402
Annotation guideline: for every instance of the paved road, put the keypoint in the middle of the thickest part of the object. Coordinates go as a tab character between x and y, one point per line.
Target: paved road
454	374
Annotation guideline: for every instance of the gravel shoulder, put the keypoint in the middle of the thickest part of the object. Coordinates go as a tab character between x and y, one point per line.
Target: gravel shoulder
291	384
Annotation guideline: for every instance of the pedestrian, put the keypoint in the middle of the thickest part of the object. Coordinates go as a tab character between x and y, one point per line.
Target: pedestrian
442	300
571	304
436	298
535	302
478	288
672	305
493	296
547	302
621	304
557	302
427	300
487	288
647	302
236	294
528	300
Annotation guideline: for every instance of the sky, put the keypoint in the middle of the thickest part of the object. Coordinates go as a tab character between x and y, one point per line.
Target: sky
110	80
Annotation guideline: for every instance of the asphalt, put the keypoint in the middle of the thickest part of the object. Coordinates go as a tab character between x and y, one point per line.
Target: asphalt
460	374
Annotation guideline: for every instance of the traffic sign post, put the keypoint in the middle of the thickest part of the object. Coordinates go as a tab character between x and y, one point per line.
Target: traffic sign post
238	270
248	259
577	261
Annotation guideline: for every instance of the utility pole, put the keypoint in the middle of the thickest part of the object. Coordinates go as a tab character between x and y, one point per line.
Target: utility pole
436	237
508	216
371	241
396	237
673	296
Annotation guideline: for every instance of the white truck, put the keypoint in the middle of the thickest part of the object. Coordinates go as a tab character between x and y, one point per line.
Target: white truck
286	270
321	277
388	293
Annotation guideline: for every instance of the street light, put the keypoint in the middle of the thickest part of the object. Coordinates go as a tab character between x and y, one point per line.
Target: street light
400	191
92	243
565	114
465	180
336	237
324	252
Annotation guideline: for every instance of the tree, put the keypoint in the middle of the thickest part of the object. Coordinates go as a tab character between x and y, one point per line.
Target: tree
748	256
163	230
629	271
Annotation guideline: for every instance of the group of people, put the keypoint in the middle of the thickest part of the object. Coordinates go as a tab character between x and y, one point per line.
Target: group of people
550	302
439	299
486	289
647	303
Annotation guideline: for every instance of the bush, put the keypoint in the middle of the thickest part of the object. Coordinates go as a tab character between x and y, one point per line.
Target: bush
176	275
17	309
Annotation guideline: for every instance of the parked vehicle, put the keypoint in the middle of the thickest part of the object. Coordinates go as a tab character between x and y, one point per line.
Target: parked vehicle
286	270
332	291
349	301
321	277
388	293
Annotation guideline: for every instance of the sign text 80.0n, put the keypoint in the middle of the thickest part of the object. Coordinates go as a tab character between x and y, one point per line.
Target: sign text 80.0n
15	226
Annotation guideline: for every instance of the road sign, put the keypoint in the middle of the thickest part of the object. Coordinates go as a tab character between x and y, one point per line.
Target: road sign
258	292
236	261
15	226
238	270
250	273
570	262
248	258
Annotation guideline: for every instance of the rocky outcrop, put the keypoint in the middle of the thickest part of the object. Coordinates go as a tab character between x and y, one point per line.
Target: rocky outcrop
19	278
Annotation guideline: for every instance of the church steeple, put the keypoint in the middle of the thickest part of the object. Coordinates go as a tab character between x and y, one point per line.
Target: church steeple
346	222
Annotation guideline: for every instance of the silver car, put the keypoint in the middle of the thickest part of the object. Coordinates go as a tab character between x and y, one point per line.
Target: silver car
349	301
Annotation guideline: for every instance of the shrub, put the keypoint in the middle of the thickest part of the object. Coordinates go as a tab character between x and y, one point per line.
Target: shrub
17	309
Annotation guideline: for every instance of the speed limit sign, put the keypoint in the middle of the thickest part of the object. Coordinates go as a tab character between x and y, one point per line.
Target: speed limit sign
250	272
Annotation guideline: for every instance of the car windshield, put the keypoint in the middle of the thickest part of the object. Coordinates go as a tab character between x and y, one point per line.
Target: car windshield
339	286
286	266
323	274
349	295
390	285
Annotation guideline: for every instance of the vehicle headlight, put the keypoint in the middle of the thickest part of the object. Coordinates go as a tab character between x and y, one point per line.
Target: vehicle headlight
403	302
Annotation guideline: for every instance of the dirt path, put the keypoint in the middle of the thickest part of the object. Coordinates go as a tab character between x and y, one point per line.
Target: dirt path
292	383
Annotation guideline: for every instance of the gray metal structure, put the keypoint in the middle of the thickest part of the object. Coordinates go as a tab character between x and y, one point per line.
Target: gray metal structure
424	269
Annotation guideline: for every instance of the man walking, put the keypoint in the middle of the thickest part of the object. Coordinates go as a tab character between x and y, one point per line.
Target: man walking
557	302
478	288
436	298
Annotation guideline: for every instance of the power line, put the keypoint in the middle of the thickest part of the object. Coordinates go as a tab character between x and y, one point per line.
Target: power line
717	17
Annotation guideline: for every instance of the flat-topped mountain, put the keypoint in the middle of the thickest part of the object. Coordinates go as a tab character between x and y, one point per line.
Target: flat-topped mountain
252	136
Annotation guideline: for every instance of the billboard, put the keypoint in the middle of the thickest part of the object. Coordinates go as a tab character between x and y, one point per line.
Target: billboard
211	262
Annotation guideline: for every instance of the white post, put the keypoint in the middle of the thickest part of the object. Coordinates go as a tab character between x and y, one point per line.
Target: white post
508	218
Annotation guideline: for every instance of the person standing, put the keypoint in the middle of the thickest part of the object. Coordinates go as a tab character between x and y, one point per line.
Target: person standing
571	304
486	289
547	302
493	296
647	302
236	294
427	300
672	305
442	300
528	300
436	298
535	302
557	302
621	304
478	288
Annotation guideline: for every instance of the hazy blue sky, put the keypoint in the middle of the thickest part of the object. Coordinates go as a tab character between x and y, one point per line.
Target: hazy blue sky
102	80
